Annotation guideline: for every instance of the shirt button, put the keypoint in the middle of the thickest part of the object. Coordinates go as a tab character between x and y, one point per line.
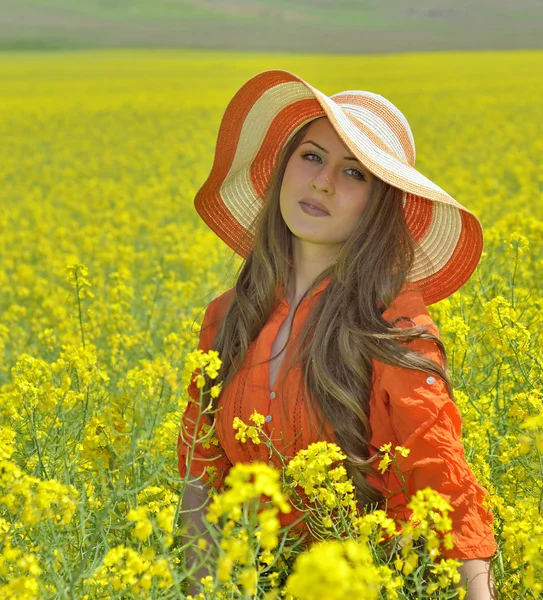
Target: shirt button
268	418
272	395
430	380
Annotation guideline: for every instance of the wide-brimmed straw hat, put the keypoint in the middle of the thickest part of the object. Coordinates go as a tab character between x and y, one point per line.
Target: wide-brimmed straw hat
266	112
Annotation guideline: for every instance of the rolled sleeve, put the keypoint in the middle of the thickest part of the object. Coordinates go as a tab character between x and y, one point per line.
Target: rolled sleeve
425	419
209	461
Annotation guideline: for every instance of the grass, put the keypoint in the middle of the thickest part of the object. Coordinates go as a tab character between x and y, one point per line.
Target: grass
347	26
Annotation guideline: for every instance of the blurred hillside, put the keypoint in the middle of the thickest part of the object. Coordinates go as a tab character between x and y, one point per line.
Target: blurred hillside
322	26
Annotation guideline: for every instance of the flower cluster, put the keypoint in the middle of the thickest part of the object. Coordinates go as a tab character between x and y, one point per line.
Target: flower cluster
252	432
340	569
125	570
203	363
159	504
247	533
316	472
32	499
77	276
387	459
429	519
22	572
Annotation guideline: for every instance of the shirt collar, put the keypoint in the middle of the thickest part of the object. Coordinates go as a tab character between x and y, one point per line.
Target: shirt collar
282	301
280	295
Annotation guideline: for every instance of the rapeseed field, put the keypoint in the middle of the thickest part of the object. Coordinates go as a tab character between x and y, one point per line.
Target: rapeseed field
105	270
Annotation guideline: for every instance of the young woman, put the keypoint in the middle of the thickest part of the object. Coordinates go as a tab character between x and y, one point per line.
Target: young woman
326	331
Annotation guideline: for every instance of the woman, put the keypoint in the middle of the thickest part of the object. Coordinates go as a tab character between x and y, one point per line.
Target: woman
326	331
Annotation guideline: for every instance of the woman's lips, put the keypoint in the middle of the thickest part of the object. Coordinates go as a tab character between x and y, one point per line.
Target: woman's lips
313	210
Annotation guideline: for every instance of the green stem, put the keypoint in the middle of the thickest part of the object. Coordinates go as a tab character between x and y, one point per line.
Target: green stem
79	308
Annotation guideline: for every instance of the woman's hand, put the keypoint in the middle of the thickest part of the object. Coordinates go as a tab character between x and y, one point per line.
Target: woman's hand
480	581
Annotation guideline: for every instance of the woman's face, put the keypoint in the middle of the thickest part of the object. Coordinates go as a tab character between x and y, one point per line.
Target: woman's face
323	170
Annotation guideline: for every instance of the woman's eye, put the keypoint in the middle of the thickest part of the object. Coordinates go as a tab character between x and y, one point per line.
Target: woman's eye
310	154
360	176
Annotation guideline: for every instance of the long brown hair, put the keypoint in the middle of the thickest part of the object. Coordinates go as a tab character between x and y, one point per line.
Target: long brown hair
344	330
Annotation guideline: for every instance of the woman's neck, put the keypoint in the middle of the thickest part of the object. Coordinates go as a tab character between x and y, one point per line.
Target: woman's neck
309	261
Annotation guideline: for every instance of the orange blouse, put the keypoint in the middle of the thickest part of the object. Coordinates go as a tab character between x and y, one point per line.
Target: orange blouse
407	407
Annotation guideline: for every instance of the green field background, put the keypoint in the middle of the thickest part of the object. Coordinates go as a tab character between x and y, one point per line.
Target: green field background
316	26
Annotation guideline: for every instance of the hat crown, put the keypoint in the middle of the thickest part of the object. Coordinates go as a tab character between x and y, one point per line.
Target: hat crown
380	118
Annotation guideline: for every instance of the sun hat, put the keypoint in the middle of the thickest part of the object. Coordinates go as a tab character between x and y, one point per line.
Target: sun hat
266	112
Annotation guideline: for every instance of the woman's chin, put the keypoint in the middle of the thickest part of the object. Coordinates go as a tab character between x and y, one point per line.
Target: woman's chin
312	238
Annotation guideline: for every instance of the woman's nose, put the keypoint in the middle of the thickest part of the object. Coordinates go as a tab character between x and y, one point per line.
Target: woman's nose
323	181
